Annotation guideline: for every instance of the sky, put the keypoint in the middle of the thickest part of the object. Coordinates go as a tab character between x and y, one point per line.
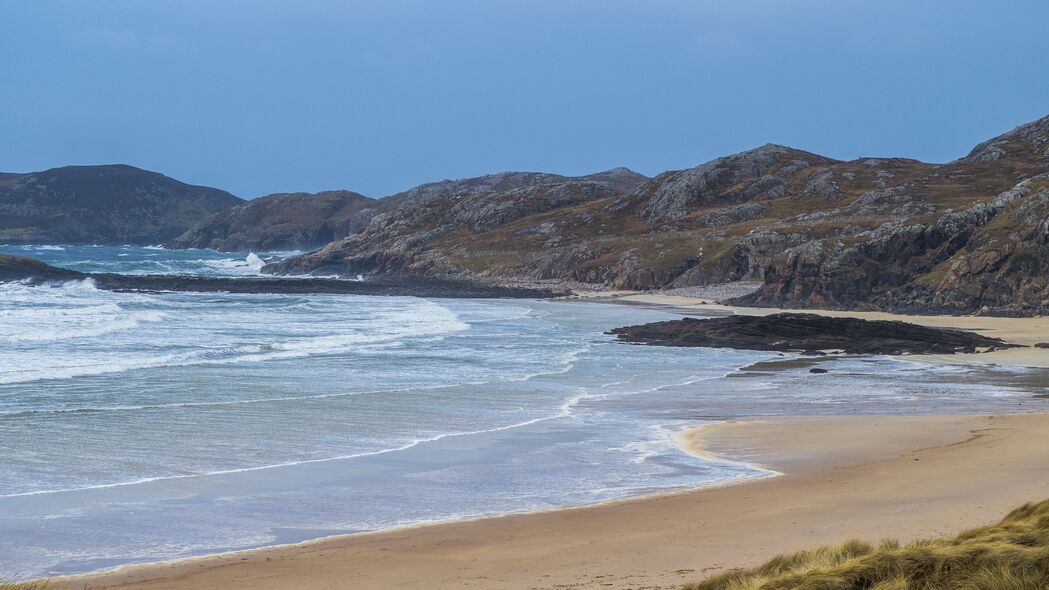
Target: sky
260	96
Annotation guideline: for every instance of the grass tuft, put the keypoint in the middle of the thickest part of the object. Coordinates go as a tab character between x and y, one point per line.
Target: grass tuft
1010	555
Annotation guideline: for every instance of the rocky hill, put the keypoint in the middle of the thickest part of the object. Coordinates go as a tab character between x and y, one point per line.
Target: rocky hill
871	233
283	221
428	229
102	205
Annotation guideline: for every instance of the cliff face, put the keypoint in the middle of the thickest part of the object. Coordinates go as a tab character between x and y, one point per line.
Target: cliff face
285	221
871	233
102	205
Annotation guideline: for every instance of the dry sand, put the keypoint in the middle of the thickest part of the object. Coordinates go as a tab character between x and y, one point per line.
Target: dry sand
868	477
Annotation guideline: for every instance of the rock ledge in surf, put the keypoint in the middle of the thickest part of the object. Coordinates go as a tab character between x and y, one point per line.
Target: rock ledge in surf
23	268
806	331
20	268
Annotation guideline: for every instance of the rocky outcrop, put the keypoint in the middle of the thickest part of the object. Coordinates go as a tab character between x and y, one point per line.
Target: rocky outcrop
102	205
284	221
1020	147
762	173
808	332
387	285
31	271
989	258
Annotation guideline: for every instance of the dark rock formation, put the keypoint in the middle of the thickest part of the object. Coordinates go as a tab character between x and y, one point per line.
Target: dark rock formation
30	270
19	268
805	331
285	221
386	285
102	205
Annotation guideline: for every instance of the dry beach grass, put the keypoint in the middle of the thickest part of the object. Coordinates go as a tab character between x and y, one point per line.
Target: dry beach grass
31	585
1010	555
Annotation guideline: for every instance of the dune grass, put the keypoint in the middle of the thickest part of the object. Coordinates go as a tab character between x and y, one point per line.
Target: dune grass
1010	555
32	585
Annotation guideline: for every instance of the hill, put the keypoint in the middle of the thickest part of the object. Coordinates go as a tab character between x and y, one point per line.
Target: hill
870	233
114	204
283	221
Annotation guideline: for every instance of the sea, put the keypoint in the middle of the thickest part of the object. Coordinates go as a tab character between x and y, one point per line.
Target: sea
139	427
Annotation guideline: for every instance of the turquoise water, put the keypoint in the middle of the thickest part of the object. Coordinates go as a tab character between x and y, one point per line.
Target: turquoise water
139	427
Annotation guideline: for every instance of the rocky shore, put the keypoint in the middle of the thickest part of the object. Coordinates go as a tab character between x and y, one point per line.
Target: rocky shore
19	268
809	332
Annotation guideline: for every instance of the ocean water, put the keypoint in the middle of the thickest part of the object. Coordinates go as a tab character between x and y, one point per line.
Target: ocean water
150	426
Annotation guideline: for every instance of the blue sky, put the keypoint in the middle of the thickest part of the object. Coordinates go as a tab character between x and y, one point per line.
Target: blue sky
261	96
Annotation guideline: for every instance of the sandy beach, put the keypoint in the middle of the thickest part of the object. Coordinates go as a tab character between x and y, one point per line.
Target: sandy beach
844	477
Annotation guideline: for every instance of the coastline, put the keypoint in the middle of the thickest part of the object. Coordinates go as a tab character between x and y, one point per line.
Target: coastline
901	476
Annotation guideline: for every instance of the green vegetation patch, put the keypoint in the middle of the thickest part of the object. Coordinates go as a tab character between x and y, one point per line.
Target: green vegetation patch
1010	555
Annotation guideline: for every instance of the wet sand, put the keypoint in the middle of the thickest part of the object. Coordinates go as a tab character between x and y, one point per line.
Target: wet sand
843	477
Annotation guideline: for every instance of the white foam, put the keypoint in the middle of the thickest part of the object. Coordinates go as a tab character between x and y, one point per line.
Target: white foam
404	447
78	311
254	262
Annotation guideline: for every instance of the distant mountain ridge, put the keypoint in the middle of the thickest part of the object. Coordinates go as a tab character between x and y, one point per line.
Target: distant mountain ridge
111	204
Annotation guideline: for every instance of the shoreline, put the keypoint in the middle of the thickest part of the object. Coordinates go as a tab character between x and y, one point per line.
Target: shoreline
685	445
745	449
660	541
